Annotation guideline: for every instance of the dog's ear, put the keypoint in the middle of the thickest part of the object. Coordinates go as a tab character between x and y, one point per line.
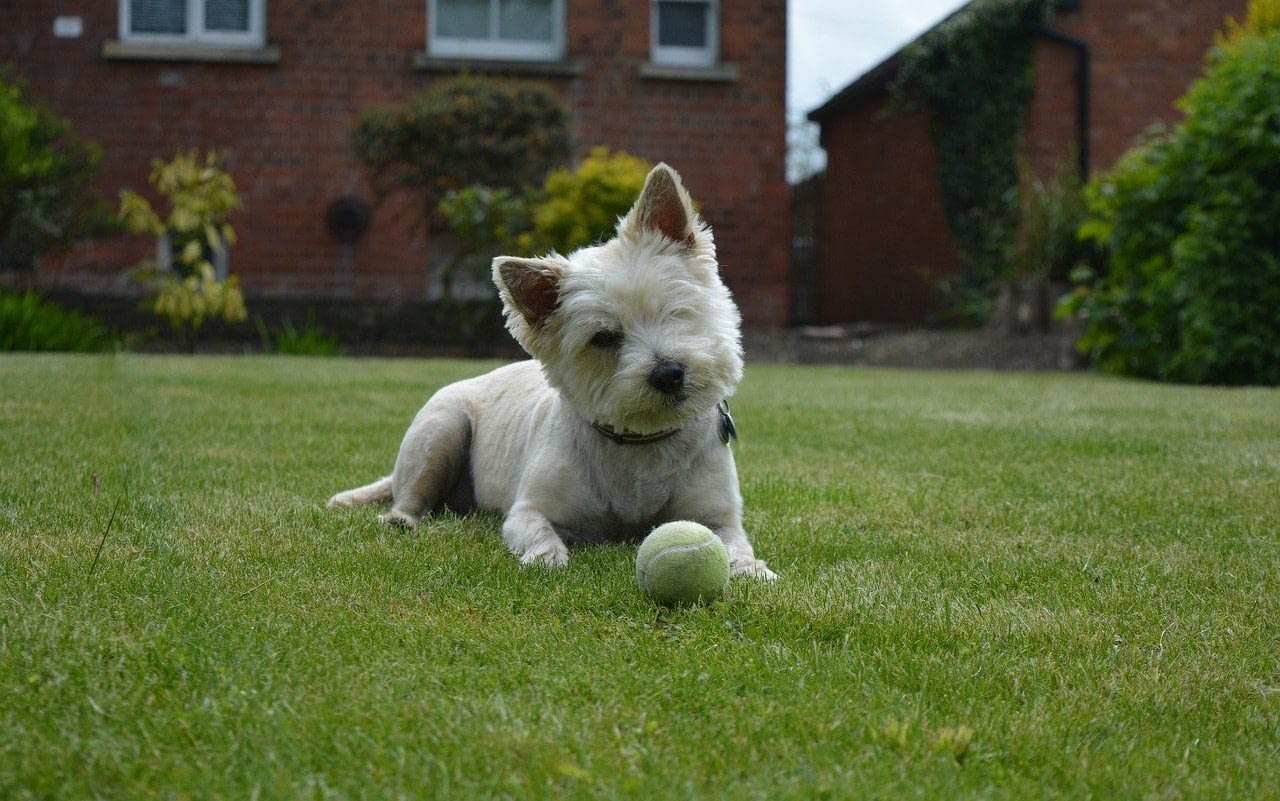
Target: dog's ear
663	206
529	288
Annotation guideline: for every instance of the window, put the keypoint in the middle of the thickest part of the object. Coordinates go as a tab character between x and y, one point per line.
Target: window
516	30
214	22
685	33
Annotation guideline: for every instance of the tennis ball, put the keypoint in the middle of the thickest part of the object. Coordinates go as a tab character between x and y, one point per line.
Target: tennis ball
682	562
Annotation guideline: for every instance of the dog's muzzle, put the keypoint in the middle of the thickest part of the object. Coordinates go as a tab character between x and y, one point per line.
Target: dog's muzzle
667	377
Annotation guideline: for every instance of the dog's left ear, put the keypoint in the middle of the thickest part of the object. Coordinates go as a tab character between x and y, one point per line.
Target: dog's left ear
529	288
663	206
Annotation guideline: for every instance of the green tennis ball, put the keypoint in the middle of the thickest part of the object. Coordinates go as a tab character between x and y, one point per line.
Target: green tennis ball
682	562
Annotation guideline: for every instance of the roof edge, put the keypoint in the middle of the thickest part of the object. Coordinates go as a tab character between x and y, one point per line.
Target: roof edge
867	85
880	76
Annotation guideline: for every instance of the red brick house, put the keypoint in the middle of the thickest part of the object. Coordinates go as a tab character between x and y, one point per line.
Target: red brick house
883	236
278	85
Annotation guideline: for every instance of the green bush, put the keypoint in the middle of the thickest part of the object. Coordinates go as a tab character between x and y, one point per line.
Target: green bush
1191	225
29	323
47	199
462	132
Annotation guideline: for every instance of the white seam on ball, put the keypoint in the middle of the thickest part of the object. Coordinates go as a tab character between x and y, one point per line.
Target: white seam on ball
675	549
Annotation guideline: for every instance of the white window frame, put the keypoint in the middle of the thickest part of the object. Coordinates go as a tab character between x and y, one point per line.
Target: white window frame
196	33
493	48
668	55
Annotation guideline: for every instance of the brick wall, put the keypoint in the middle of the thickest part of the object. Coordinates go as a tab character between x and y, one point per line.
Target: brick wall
1144	54
884	237
285	128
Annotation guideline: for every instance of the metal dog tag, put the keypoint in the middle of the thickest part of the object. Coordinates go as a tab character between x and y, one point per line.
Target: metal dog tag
728	430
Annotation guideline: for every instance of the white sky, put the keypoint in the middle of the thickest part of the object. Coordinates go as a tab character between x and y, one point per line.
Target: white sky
834	41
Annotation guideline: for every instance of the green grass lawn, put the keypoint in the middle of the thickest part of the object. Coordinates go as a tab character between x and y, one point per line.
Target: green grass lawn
993	586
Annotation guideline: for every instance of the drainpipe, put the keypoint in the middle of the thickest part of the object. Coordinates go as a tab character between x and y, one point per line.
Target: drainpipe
1082	87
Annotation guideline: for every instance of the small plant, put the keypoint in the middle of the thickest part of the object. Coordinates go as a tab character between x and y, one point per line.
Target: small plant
30	323
1050	213
954	742
487	222
47	199
311	340
188	291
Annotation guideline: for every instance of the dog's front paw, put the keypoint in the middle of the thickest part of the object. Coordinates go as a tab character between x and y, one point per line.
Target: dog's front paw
399	519
550	552
341	501
752	567
534	541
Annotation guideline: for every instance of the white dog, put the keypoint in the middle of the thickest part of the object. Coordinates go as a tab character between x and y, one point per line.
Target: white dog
621	422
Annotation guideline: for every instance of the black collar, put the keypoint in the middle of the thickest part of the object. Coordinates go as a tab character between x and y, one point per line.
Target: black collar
728	431
627	438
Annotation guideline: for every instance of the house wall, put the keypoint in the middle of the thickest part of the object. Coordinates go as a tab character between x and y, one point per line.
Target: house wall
884	238
286	131
1144	54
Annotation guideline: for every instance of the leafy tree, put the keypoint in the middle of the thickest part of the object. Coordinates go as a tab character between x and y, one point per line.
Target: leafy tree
47	199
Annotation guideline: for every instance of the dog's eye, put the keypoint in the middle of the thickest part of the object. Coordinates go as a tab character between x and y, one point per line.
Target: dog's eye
607	340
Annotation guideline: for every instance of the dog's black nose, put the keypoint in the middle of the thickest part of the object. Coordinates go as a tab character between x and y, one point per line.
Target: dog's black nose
667	377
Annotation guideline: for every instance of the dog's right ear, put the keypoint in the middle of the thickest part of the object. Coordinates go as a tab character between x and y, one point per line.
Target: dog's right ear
663	206
530	288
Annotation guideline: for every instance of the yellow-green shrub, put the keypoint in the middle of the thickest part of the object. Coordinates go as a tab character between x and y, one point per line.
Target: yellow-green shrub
582	206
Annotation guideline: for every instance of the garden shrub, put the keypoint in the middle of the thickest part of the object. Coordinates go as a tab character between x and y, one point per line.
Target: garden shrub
462	132
1190	221
47	198
200	195
30	323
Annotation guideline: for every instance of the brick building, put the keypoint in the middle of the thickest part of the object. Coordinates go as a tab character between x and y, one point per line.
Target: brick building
883	234
278	85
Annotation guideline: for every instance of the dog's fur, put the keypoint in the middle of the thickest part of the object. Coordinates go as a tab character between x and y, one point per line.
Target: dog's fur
637	336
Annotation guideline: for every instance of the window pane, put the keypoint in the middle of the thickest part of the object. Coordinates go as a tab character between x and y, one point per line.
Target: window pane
524	20
462	19
158	16
226	15
682	24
